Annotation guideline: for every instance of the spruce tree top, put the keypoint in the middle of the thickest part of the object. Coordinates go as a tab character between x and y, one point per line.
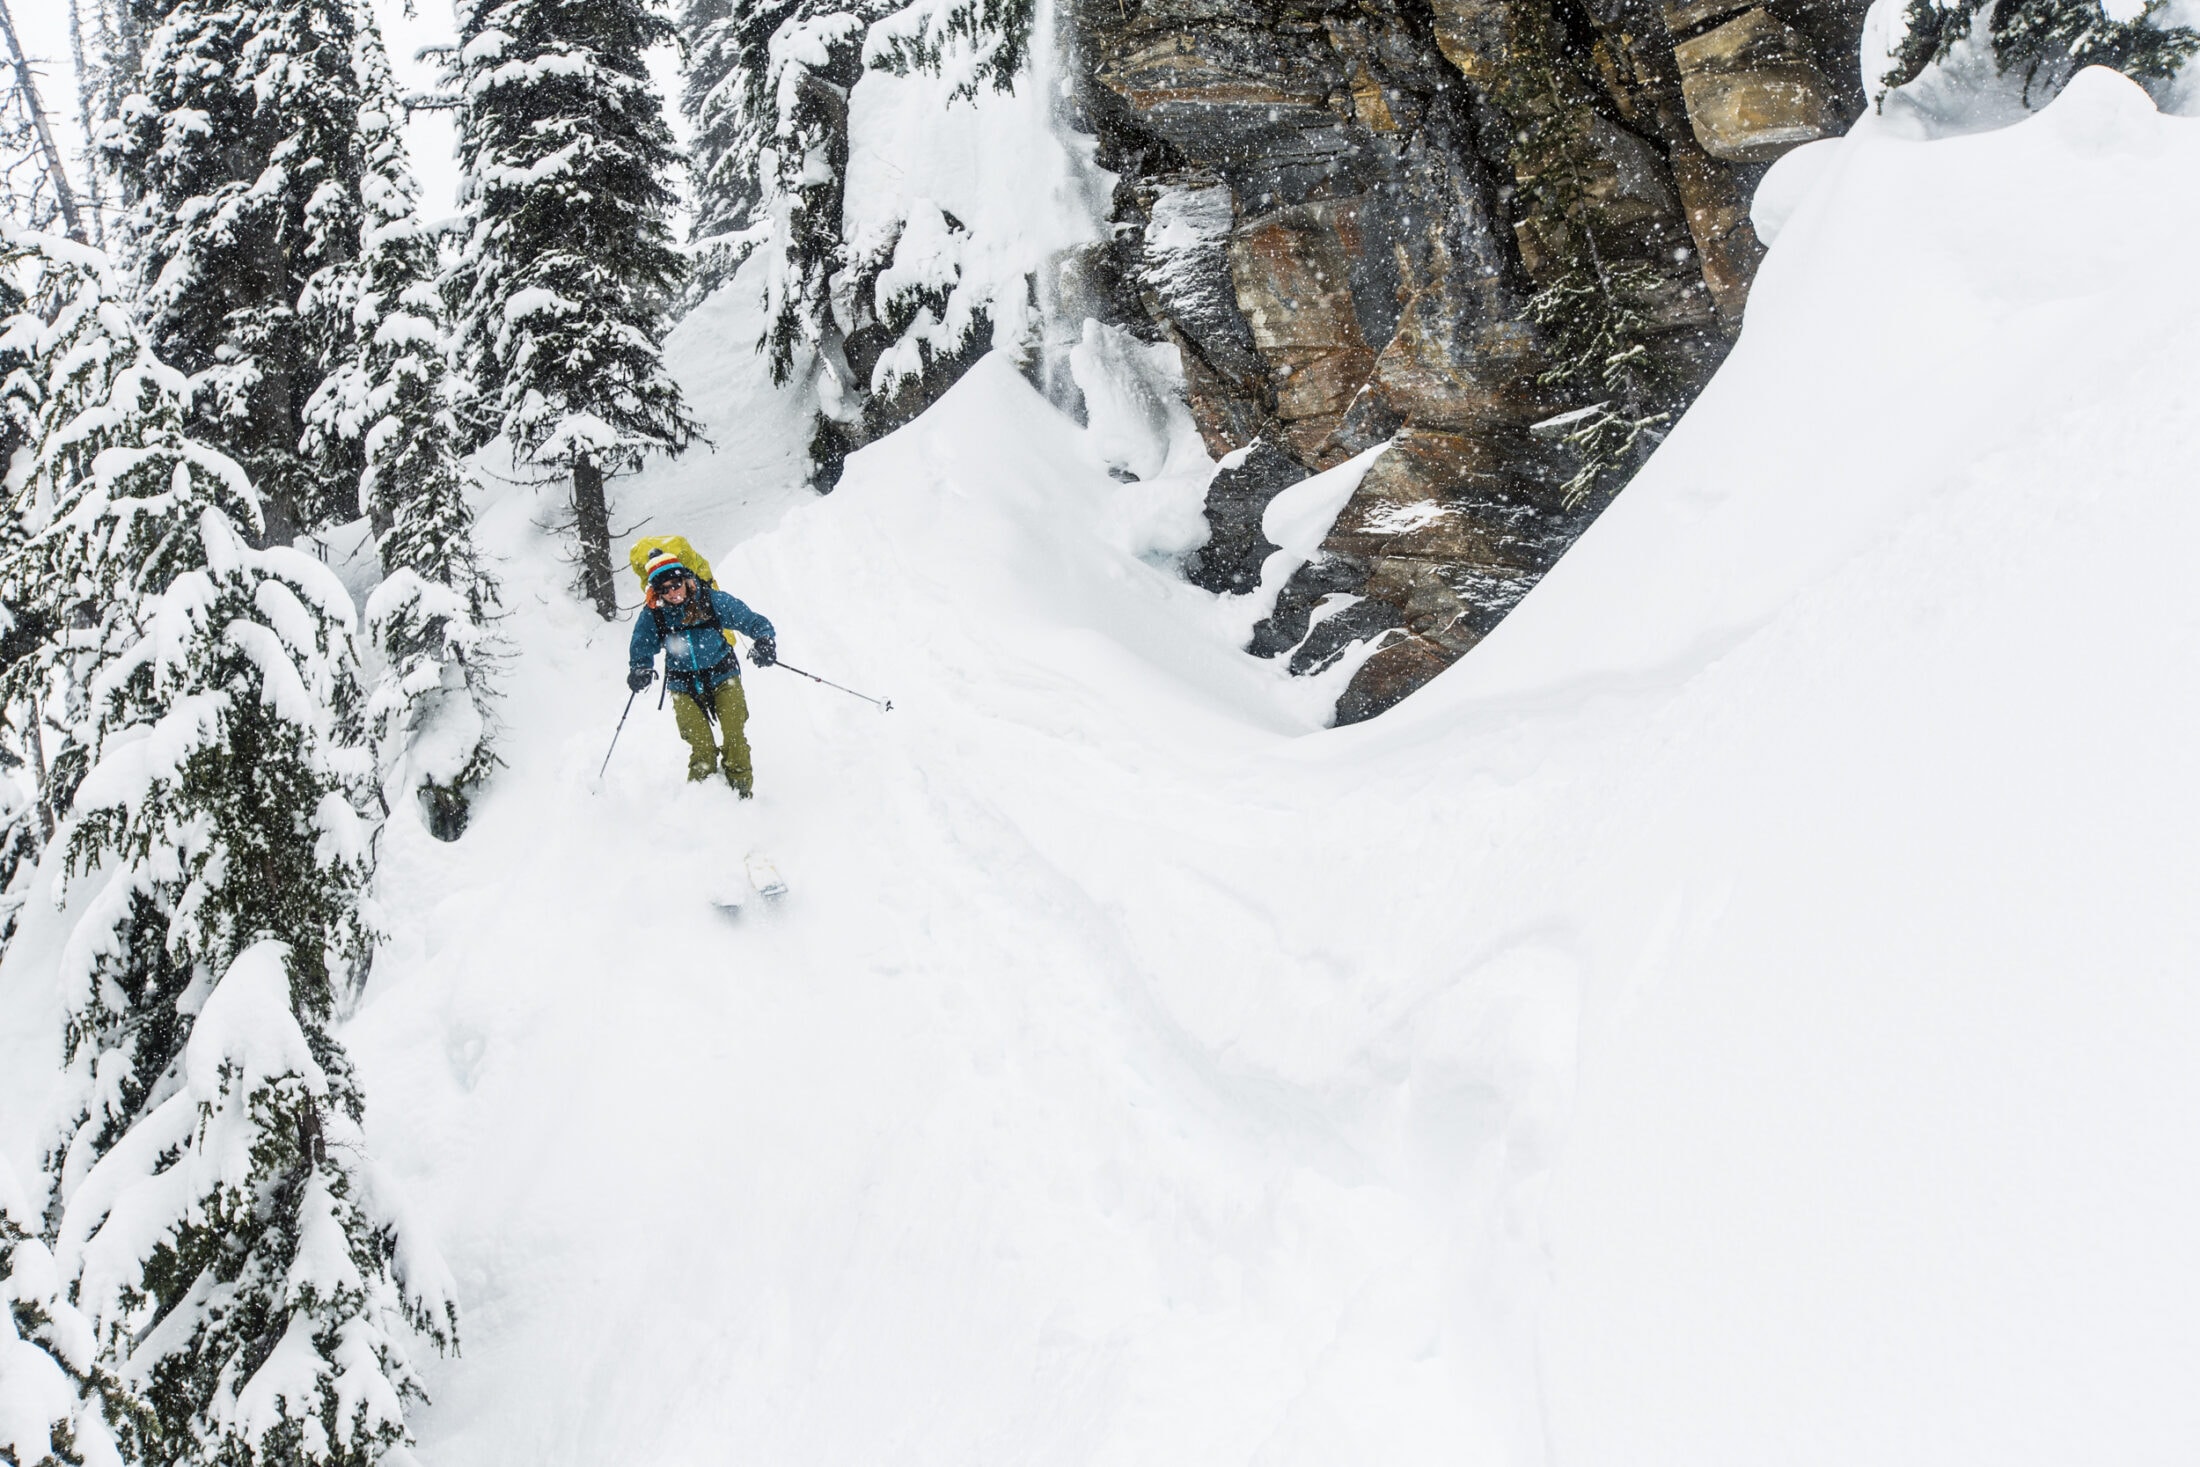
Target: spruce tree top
242	149
570	264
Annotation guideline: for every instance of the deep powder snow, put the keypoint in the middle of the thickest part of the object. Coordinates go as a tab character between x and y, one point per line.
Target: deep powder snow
1741	1014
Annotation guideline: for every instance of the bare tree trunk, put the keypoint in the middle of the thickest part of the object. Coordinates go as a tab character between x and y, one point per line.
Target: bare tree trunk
61	192
593	519
95	202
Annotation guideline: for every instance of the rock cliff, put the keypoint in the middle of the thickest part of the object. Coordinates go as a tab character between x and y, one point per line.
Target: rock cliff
1358	220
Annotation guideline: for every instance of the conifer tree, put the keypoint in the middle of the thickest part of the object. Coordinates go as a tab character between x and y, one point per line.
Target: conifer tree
52	1397
16	393
26	822
765	92
20	841
2045	40
767	96
238	1261
240	152
986	42
568	271
429	710
718	51
60	348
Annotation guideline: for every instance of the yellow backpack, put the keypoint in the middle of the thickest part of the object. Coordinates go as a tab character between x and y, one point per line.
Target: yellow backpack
678	547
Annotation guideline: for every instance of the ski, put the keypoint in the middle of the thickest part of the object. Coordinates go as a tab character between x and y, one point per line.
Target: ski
765	877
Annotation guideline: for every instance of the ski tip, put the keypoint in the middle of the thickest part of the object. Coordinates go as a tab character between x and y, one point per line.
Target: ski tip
764	876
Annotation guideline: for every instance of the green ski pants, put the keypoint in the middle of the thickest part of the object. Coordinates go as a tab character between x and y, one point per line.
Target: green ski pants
732	708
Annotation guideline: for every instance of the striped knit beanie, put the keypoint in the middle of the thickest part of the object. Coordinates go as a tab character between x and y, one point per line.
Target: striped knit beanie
659	563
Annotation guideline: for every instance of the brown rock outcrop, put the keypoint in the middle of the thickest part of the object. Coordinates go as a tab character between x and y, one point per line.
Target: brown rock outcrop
1753	89
1340	210
1292	268
1718	221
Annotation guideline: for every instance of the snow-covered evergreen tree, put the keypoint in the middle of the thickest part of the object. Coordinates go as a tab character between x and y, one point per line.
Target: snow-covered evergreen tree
715	45
21	838
569	269
393	394
241	1267
25	821
51	1396
67	348
877	324
767	96
982	42
2045	41
241	154
16	405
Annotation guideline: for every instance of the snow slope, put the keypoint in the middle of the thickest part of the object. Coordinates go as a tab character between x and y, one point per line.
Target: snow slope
1885	1144
1140	1074
1742	1014
1040	1123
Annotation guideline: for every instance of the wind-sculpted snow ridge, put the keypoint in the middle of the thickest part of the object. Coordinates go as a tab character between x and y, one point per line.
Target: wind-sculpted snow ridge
1883	1149
1141	1073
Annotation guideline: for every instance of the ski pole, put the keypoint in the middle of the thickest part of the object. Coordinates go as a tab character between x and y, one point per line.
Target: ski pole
630	697
885	705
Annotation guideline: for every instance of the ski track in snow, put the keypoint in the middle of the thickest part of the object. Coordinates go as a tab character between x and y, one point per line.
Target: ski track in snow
1057	1114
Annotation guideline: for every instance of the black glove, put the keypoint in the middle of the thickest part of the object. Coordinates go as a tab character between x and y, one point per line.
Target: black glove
639	678
765	652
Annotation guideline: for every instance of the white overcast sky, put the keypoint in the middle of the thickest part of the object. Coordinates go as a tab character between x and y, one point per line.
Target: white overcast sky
44	26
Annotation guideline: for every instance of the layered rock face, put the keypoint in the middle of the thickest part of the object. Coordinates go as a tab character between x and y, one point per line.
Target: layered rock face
1340	213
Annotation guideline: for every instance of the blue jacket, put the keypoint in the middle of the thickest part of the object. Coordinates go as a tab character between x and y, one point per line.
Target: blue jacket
694	652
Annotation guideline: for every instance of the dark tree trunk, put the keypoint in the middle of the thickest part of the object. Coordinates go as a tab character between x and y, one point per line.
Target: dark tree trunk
593	519
269	444
266	442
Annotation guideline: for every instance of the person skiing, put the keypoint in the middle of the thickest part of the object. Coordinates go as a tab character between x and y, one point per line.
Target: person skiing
687	621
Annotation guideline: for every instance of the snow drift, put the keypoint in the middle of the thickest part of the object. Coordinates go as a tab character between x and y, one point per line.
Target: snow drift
1884	1145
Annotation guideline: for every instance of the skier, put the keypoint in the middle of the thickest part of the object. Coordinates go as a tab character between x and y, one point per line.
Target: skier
687	621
